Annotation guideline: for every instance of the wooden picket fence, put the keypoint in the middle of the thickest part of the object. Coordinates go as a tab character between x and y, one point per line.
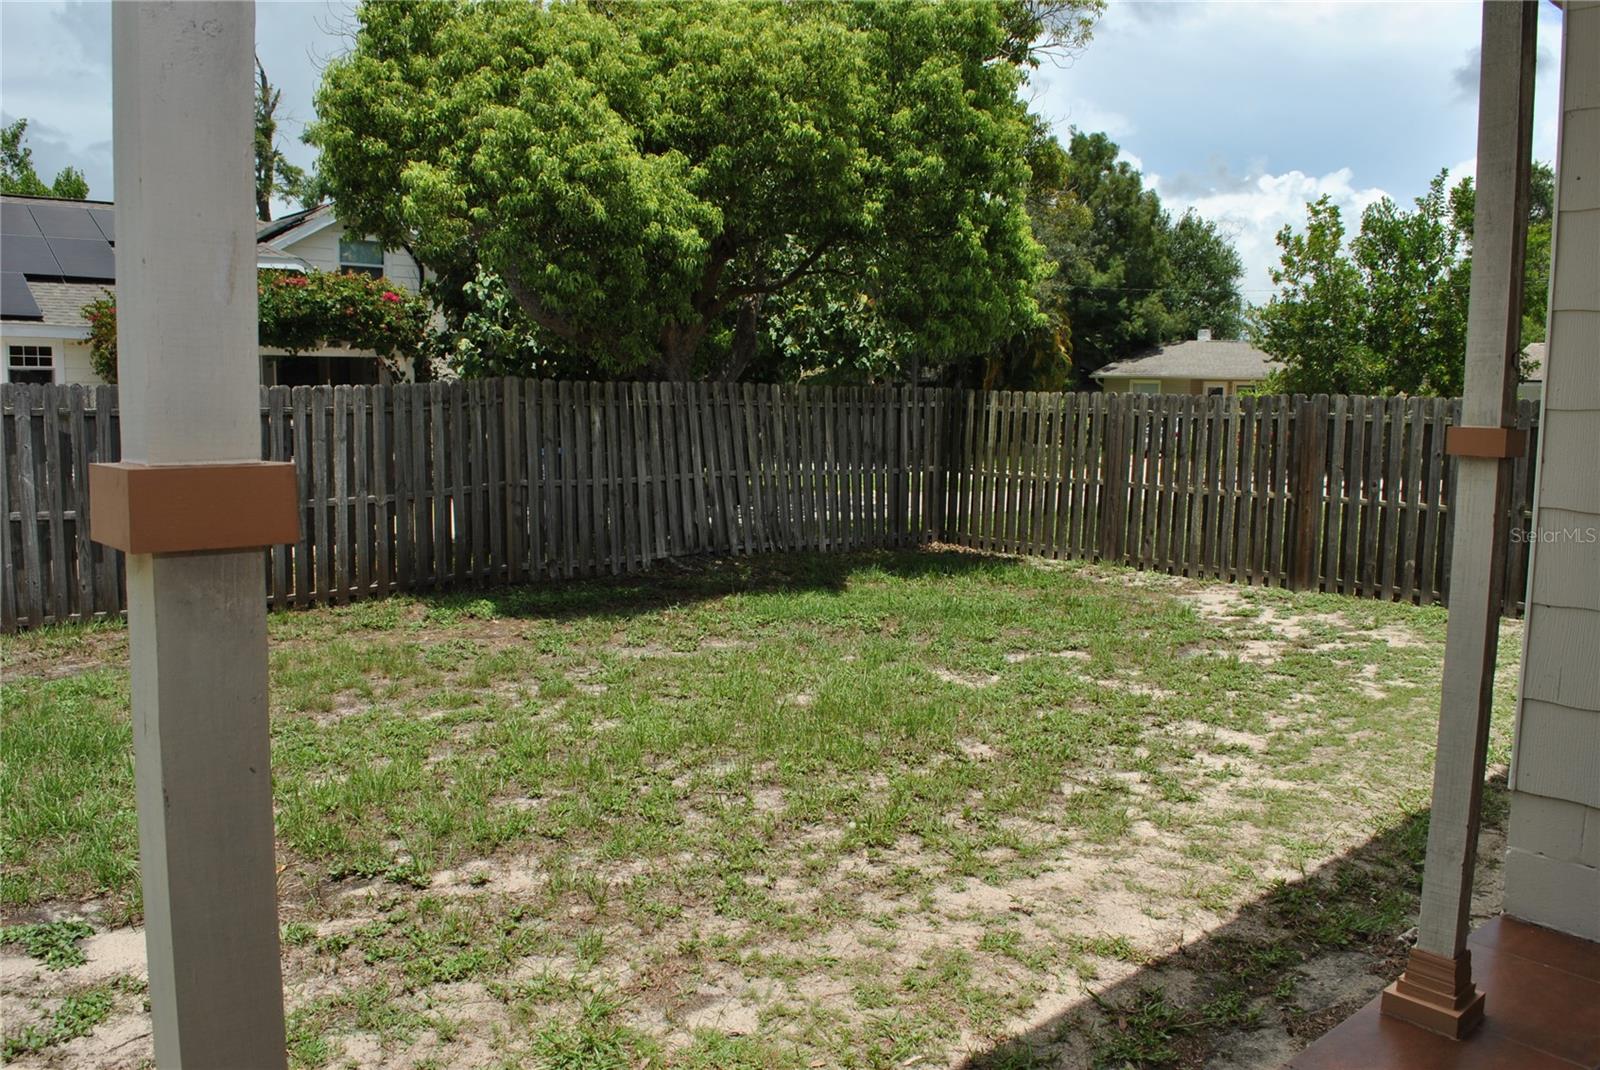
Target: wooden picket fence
443	485
1340	494
434	486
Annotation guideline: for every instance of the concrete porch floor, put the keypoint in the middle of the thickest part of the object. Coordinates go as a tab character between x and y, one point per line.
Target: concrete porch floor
1542	1000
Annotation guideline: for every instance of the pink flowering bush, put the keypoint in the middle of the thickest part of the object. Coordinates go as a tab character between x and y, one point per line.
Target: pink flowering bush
298	312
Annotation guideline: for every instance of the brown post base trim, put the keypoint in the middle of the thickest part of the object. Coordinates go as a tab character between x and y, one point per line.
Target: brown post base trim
1493	442
188	508
1437	994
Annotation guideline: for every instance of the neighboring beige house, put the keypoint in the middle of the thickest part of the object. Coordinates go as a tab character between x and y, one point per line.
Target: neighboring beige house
1203	366
57	255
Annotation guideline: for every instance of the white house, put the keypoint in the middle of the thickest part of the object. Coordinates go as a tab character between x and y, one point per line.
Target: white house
57	255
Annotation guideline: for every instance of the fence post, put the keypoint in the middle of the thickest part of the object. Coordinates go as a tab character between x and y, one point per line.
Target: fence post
509	416
1113	476
1310	439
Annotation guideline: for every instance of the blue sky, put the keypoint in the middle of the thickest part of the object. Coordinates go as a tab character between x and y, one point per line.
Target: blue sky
1242	111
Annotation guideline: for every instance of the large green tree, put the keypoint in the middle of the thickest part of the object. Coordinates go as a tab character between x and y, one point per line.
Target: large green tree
1204	291
1314	323
1117	272
652	182
17	174
1125	276
1386	312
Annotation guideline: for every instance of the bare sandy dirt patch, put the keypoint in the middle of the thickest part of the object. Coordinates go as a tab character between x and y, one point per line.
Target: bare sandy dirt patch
820	844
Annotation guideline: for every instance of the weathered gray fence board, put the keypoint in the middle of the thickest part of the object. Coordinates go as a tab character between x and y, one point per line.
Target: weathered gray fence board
447	484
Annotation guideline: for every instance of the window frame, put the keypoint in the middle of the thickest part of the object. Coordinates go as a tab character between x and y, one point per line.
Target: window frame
1136	386
357	267
16	351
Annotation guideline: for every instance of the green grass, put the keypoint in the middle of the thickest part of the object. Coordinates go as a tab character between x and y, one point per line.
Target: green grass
77	1016
662	786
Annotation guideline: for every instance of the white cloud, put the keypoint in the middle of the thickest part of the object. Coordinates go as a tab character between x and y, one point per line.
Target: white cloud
1252	210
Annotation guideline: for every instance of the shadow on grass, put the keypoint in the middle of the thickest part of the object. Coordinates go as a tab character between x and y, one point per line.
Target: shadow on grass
1239	994
680	581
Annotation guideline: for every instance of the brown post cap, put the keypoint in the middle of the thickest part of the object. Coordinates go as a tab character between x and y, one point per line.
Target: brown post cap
1495	442
187	508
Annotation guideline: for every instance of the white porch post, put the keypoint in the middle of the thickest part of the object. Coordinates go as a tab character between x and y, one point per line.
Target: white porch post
1436	991
187	356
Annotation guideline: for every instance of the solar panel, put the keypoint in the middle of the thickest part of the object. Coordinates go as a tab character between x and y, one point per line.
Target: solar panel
16	300
31	256
15	219
104	218
81	258
65	221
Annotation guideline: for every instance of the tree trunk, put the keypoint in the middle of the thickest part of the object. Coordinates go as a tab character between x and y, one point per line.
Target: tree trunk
422	368
746	336
678	345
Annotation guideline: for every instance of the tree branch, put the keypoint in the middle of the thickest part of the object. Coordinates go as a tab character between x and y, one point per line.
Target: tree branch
550	321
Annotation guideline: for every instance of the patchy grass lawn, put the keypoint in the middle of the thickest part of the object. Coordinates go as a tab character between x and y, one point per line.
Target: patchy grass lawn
860	811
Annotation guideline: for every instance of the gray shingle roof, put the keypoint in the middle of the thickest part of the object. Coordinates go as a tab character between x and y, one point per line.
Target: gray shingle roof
1194	360
62	302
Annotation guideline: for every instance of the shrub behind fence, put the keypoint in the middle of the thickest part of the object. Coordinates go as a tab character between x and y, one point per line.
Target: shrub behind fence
441	485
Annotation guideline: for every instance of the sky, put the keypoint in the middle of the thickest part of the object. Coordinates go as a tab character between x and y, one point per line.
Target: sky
1240	111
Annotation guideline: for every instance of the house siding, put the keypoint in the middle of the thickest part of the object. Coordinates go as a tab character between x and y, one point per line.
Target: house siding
71	355
1552	869
1113	384
321	251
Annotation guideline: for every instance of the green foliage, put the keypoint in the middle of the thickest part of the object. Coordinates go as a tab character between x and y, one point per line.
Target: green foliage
486	332
651	181
18	176
101	316
1313	323
54	943
1387	312
1125	275
1541	218
275	175
1206	270
300	312
1118	269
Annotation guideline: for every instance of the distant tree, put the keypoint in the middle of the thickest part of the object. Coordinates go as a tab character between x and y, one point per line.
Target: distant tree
17	174
1313	324
1039	357
1115	274
1541	218
1122	275
1415	306
654	183
1204	291
275	175
1385	316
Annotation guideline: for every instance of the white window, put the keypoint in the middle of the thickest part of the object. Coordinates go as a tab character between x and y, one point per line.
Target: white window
363	256
30	364
1145	386
1216	389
